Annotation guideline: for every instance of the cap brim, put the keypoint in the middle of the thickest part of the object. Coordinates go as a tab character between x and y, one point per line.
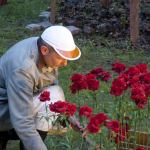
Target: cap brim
70	55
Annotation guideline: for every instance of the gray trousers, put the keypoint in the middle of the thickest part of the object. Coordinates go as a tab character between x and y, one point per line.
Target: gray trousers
42	125
5	136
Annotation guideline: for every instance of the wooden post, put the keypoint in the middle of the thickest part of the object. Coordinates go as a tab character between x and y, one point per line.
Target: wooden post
3	2
105	3
134	21
53	12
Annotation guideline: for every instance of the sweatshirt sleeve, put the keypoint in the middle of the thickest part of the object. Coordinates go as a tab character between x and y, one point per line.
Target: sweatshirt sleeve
20	100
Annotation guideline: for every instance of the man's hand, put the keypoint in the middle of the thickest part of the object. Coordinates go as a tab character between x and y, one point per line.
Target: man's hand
84	133
75	124
77	127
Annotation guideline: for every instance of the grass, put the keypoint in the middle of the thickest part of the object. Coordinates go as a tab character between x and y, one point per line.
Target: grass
15	16
97	50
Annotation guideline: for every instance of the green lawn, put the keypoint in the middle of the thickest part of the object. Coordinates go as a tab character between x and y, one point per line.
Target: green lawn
96	51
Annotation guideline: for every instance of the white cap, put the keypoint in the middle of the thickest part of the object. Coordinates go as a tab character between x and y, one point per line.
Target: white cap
61	39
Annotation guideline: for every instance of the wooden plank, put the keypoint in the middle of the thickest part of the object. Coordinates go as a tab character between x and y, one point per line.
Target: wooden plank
53	11
134	21
3	2
105	3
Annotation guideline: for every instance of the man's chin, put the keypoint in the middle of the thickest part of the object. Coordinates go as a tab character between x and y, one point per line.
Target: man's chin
53	67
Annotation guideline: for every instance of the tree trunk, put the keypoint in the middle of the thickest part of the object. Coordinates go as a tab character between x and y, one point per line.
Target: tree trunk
105	3
53	12
3	2
134	21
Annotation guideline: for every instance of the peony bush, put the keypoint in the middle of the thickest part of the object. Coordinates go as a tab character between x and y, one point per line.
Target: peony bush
108	120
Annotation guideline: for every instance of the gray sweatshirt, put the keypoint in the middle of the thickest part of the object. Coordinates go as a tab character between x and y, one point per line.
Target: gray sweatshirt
20	80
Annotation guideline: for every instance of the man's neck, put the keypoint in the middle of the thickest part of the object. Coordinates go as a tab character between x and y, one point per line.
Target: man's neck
40	63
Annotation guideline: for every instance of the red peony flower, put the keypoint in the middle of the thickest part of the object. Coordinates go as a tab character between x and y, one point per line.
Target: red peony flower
74	88
134	79
92	128
138	93
101	118
146	78
116	91
114	125
90	76
142	67
121	82
97	72
85	111
118	67
132	71
147	89
100	73
85	82
95	122
63	107
141	103
45	96
71	109
121	136
93	125
118	86
58	107
82	85
77	86
125	77
77	77
93	84
79	83
105	76
140	148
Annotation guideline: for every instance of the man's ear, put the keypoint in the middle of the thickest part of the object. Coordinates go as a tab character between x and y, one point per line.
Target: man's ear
44	50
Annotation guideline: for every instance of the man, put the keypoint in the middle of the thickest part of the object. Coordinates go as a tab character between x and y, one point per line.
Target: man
25	70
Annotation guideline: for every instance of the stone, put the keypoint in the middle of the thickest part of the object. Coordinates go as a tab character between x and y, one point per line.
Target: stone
73	1
88	29
48	9
44	15
45	24
94	23
104	27
147	27
59	19
74	30
34	27
70	22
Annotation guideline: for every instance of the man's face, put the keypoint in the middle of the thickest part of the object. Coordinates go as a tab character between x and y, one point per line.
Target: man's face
52	59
